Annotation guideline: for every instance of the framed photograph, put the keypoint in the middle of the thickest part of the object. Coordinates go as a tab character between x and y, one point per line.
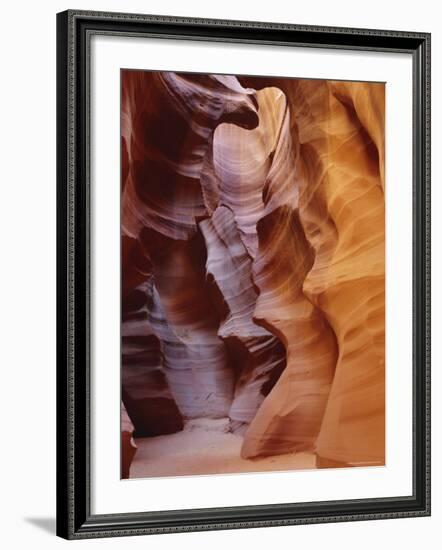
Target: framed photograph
243	274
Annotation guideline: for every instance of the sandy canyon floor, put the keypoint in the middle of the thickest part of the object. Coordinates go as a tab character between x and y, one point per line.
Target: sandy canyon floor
205	451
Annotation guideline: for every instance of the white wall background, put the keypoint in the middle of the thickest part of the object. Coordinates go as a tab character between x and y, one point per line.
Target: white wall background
27	290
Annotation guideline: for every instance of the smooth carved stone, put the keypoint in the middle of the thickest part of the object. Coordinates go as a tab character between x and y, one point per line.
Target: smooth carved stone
291	416
254	223
259	356
348	280
128	447
167	123
195	359
259	182
168	120
366	104
145	390
241	164
340	129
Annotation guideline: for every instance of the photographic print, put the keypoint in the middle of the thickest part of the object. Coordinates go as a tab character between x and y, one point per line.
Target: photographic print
252	274
243	274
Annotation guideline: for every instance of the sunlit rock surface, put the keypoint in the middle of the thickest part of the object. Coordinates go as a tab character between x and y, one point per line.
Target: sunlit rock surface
253	262
257	355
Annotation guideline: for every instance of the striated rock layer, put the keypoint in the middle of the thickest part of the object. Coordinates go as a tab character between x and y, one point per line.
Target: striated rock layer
145	390
168	122
253	261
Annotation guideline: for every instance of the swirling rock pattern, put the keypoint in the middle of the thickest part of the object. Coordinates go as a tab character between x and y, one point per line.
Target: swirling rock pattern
253	262
258	353
145	389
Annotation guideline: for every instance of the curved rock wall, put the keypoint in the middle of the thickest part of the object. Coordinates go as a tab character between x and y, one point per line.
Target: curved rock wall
253	260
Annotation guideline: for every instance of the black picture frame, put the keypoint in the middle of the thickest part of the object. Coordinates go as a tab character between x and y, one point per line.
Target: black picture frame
74	518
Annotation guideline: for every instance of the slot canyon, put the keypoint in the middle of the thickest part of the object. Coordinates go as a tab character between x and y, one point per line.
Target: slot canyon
252	274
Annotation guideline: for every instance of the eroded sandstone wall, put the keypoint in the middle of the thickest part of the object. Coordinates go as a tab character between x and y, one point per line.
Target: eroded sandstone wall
253	260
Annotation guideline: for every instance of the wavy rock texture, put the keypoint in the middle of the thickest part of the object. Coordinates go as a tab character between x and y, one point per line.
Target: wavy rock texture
340	128
253	262
290	418
259	356
145	390
168	122
348	276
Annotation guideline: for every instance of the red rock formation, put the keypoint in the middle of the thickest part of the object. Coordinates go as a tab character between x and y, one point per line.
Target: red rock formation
258	355
340	129
145	390
290	417
344	135
168	121
128	447
253	260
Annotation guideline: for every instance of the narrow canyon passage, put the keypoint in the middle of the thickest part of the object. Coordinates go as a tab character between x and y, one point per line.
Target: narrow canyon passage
252	274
